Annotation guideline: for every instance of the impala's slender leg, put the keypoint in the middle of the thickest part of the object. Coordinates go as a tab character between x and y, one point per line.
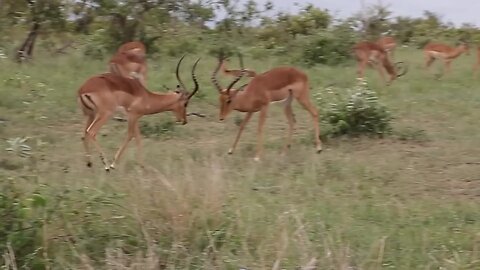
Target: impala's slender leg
132	122
138	142
392	54
307	105
92	130
444	69
239	133
448	66
86	144
379	68
291	120
428	61
362	64
261	123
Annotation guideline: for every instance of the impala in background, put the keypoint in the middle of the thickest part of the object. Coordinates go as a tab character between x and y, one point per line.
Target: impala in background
370	53
445	53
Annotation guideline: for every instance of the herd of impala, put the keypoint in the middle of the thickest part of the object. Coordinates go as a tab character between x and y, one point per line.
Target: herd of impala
124	88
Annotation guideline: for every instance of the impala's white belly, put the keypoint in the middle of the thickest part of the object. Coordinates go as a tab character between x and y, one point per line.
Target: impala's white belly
278	101
121	109
436	54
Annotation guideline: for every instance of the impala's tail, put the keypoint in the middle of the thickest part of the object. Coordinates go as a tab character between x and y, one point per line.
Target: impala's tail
87	102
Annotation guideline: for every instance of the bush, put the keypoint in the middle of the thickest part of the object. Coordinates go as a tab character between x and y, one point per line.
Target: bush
19	227
329	48
95	45
357	113
181	47
227	49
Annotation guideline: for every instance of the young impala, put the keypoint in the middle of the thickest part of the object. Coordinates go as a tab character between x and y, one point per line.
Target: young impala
445	53
101	95
278	84
370	53
130	61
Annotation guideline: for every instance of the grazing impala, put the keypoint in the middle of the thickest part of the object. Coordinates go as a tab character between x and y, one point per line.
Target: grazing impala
370	53
388	44
130	61
445	53
101	95
233	72
278	84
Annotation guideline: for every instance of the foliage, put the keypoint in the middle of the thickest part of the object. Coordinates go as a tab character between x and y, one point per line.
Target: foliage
307	22
330	48
373	21
358	112
20	228
166	26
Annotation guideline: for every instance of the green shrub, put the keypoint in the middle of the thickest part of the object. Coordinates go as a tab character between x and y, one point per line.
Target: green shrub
356	113
181	47
329	48
227	49
19	227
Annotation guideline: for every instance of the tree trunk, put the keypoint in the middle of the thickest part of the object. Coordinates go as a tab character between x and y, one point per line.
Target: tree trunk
25	52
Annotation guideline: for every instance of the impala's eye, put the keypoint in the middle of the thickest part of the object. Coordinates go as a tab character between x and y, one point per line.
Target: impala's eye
229	101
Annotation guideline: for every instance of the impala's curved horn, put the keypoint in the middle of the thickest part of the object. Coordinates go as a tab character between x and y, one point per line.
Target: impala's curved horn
401	69
180	82
215	72
239	77
194	78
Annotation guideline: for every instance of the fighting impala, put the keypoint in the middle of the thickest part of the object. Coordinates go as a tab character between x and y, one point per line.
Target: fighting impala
370	53
445	53
101	95
278	84
388	44
129	61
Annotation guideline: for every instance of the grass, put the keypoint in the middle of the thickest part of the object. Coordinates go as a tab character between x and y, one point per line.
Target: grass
408	201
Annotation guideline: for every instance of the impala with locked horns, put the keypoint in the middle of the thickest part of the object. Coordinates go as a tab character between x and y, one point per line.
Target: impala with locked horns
101	95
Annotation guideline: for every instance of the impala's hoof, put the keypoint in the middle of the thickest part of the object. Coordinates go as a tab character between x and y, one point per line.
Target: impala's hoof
107	169
112	166
256	159
319	149
89	164
230	151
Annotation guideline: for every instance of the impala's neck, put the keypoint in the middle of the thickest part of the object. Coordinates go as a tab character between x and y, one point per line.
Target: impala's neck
245	102
457	51
156	103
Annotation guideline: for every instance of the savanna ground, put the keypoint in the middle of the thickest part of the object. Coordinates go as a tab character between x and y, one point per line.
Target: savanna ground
407	201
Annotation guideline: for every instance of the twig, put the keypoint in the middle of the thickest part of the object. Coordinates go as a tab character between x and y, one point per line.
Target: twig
196	114
462	163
